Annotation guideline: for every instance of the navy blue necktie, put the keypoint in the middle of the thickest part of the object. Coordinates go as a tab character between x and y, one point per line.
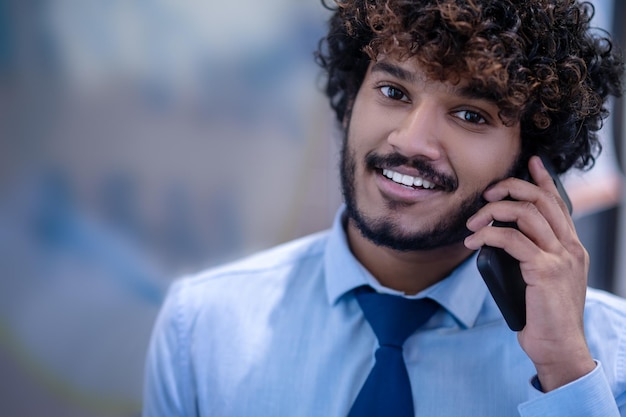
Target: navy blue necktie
387	390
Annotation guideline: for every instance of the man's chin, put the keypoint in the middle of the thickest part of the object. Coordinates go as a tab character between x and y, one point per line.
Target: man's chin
386	233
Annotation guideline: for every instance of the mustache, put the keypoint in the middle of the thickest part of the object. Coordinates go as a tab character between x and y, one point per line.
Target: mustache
375	161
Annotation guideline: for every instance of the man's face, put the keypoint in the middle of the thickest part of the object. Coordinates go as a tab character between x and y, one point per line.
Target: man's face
418	155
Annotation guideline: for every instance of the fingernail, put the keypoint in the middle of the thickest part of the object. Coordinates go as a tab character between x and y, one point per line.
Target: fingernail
468	242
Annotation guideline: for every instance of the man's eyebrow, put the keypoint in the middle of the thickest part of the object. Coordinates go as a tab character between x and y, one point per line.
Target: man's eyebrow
466	91
471	92
393	70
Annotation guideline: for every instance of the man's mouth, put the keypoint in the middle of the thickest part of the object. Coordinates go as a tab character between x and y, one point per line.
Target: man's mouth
397	168
408	180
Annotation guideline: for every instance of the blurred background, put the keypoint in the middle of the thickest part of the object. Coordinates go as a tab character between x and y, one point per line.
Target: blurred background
141	140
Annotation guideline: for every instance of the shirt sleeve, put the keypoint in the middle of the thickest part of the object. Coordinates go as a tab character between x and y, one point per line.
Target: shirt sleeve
168	386
588	396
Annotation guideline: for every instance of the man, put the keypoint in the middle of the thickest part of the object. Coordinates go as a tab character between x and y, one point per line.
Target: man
442	103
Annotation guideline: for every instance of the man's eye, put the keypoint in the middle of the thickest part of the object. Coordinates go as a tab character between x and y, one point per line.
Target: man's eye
471	117
393	93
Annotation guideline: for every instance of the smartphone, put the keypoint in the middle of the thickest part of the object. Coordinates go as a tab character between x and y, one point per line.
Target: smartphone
501	272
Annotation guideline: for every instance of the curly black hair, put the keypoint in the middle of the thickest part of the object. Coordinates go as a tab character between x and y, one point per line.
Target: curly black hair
540	61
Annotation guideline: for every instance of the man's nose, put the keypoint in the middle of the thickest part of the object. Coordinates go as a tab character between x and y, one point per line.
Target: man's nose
418	133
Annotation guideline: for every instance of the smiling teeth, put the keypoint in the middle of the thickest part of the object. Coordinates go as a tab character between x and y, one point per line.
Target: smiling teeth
407	180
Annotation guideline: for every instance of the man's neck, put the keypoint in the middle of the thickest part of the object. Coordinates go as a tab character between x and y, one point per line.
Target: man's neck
409	272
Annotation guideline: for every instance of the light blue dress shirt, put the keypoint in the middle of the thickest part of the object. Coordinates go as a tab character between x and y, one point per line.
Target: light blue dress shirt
281	334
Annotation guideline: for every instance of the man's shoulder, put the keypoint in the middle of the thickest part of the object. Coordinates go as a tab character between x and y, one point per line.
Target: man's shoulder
607	302
604	310
260	268
605	329
284	255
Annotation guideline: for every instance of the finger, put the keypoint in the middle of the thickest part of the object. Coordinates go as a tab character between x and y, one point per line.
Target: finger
541	176
511	240
544	196
564	230
528	218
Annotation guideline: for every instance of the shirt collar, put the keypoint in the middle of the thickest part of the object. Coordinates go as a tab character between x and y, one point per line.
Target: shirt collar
462	293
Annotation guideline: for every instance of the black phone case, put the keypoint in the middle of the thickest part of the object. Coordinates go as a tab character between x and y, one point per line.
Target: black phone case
501	272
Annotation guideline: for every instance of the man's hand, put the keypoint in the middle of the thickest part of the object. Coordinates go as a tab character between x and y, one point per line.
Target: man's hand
554	265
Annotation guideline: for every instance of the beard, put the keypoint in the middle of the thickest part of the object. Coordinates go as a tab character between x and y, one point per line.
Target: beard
385	232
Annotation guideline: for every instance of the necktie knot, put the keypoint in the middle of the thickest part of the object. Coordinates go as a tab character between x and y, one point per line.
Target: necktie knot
394	318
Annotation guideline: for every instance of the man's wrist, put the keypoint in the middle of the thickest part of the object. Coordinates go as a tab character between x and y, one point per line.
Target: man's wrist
588	396
555	376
